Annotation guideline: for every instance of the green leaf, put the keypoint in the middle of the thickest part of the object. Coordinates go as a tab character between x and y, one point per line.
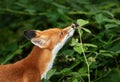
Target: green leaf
68	52
78	48
108	26
66	70
50	73
86	30
82	22
75	80
111	76
90	45
74	42
100	18
83	71
107	54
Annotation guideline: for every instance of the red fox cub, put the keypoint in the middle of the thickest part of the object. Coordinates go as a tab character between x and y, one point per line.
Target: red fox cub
35	66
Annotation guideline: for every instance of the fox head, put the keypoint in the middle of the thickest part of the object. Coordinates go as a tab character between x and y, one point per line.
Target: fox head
50	38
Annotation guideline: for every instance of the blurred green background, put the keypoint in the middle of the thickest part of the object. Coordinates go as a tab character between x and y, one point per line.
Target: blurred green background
101	46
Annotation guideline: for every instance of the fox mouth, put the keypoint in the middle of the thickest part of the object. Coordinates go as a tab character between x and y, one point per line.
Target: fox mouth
70	34
71	31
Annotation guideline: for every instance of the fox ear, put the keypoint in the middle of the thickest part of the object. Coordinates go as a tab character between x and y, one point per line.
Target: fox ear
41	42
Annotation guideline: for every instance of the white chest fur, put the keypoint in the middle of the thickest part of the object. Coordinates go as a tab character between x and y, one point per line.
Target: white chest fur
55	51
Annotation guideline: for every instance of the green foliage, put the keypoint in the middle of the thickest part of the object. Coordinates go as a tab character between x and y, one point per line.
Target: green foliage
93	52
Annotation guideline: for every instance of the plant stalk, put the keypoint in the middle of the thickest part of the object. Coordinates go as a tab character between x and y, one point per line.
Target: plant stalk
86	61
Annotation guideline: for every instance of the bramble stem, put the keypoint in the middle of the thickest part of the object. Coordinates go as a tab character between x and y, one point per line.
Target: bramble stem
86	61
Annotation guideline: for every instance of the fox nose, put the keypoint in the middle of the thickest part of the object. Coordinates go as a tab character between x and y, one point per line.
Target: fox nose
74	25
29	34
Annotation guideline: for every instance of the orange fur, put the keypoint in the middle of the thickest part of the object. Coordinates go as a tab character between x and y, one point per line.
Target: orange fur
31	68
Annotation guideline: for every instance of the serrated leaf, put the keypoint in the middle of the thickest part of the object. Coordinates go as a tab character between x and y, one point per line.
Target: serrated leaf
82	22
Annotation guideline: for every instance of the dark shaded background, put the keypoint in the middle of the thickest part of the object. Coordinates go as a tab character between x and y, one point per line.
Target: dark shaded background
104	17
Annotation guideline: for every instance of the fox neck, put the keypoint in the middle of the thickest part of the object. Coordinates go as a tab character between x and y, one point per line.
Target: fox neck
41	59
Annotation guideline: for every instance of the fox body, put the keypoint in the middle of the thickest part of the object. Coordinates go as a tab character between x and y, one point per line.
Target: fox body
40	60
